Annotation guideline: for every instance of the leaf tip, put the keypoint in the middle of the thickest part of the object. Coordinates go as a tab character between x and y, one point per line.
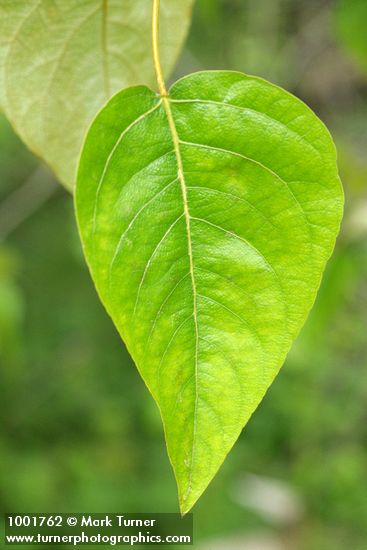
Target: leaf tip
188	498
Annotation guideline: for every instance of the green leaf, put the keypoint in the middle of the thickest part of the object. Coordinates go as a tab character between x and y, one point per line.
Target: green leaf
207	218
351	18
60	61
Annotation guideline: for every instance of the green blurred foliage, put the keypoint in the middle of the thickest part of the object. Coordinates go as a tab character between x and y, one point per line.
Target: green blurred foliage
79	431
351	18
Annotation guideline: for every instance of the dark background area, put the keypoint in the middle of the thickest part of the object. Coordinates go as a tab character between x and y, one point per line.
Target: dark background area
79	431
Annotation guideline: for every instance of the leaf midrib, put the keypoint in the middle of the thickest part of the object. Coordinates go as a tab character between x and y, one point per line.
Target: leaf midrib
181	177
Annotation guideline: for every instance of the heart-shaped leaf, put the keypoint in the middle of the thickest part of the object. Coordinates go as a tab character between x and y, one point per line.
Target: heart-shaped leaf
60	61
207	218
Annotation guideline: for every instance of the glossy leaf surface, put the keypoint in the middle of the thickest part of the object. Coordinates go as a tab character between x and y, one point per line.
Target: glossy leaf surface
60	61
207	218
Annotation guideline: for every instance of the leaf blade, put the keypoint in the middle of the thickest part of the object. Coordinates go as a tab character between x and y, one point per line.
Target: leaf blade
257	250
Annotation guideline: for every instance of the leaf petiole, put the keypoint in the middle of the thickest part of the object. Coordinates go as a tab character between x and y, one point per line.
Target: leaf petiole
155	44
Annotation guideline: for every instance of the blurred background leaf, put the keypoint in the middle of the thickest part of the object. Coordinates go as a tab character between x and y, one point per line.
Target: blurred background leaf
78	429
61	61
